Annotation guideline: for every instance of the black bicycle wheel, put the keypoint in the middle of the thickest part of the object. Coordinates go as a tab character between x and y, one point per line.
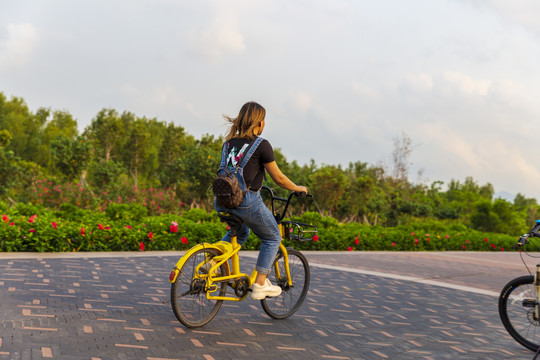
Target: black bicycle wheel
517	306
188	292
291	297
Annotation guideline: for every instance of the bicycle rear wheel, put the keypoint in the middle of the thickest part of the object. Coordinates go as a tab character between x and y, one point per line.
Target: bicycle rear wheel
188	292
291	297
517	306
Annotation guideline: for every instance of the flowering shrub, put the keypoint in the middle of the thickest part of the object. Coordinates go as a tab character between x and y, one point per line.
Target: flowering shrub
34	228
46	232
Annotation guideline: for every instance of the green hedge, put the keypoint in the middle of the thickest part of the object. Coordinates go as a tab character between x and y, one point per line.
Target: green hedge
127	228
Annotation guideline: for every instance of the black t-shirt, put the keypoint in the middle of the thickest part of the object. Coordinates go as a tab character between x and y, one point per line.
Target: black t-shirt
254	169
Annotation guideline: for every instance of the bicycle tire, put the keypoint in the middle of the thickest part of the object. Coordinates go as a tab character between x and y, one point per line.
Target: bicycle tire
291	297
517	315
188	295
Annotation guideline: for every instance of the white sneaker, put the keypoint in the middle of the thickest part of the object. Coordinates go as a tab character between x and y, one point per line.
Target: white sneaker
259	292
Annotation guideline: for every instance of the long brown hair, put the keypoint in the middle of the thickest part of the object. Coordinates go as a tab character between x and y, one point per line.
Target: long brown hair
250	116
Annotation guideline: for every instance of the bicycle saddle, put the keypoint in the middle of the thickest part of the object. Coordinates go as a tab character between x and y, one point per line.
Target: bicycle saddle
232	220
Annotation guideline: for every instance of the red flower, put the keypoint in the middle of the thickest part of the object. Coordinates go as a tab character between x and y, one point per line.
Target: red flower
150	235
415	241
463	247
447	236
413	234
428	240
502	249
467	241
485	239
32	219
315	238
184	240
32	230
393	244
349	248
12	223
54	225
141	246
5	218
174	228
101	227
493	246
129	227
82	231
356	241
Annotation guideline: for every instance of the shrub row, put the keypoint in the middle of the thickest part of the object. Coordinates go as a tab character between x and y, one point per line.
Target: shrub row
126	227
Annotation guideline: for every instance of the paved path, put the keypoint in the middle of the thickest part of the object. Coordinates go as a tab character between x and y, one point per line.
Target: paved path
379	305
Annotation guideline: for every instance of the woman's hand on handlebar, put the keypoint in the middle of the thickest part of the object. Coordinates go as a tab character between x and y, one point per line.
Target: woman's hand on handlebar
301	190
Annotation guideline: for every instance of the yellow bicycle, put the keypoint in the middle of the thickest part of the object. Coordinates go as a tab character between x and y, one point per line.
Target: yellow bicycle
209	273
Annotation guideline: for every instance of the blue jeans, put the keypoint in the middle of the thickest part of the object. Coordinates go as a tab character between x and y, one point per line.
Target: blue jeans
257	217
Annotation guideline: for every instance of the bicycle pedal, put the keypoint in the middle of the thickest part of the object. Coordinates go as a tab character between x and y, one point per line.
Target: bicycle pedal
529	303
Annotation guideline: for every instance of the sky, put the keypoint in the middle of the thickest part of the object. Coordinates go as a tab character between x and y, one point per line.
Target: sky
340	79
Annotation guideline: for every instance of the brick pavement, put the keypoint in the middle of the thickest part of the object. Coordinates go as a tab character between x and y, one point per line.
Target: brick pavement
109	306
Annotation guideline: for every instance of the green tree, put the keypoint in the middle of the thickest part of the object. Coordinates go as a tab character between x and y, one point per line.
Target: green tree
136	148
528	206
196	171
70	155
61	124
105	174
5	138
329	183
24	127
104	132
173	145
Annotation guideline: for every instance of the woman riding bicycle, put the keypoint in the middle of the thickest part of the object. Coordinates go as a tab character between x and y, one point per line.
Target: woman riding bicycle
248	125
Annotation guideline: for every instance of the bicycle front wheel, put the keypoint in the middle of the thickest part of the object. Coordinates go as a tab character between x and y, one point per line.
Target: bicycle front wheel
188	292
517	307
291	297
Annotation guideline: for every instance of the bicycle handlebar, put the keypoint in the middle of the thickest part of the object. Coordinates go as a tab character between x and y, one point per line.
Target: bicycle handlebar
524	239
287	201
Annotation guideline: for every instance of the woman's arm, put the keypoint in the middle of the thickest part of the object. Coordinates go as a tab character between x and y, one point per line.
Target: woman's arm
282	180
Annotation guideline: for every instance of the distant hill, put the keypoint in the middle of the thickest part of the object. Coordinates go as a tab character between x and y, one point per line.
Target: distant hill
505	196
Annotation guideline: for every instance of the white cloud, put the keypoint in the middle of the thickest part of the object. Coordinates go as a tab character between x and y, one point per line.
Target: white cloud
523	12
467	84
17	48
419	82
302	101
214	41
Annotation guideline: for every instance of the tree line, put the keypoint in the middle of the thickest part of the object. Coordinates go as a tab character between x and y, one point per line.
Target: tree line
119	152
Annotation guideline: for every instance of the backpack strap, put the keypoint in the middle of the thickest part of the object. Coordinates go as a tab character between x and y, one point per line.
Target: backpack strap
224	151
250	151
